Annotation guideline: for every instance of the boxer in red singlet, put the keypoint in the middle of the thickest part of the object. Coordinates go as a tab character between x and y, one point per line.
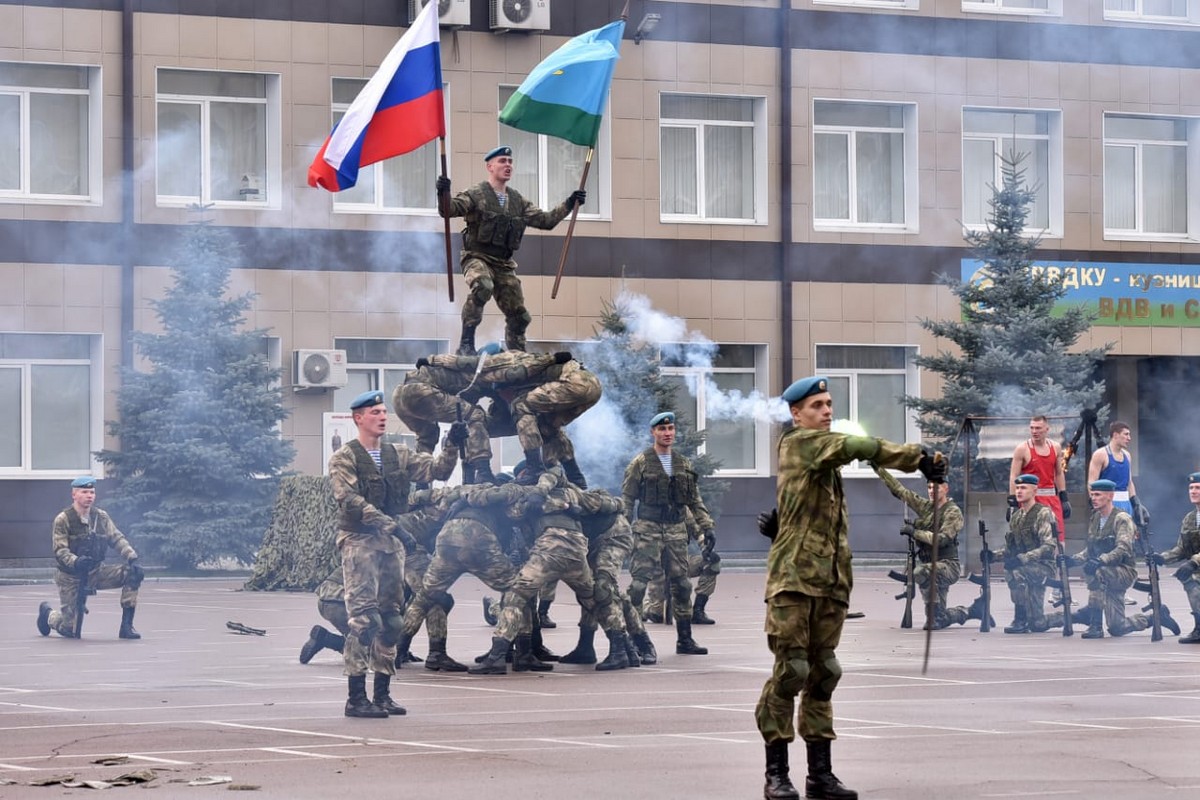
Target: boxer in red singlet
1040	457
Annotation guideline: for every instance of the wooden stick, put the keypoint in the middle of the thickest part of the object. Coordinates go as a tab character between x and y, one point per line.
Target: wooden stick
562	261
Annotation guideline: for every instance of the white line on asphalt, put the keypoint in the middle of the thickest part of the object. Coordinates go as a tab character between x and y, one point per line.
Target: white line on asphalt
1031	794
451	683
285	751
155	760
1079	724
40	708
15	690
237	683
581	744
362	739
945	681
709	738
18	769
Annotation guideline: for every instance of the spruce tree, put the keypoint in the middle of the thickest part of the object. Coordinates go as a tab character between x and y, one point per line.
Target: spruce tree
200	454
1012	349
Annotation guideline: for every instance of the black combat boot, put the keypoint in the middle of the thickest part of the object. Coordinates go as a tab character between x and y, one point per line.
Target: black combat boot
383	696
483	471
438	661
698	615
43	620
585	650
493	662
534	466
574	473
538	647
1167	621
544	614
357	704
975	611
127	631
685	645
821	783
653	616
403	642
488	616
631	652
779	785
1095	624
466	344
1020	622
523	658
314	645
646	649
1191	638
617	657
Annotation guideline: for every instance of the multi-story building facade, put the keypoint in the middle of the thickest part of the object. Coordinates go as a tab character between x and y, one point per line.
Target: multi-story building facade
788	176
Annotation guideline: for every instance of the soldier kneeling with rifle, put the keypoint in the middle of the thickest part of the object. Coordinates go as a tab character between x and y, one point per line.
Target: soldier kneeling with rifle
81	537
1187	550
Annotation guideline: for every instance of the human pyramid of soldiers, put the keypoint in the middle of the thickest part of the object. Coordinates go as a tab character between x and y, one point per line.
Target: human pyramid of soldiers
1033	554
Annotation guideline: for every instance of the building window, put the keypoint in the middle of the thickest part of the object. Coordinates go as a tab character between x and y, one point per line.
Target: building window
1045	7
864	165
50	402
908	5
1146	175
712	159
547	169
218	138
381	364
403	184
1171	11
868	384
50	120
1035	138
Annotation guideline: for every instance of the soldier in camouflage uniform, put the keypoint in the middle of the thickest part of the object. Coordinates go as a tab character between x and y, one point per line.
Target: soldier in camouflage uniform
1028	556
1187	550
809	580
950	521
1110	566
496	216
557	397
80	537
657	487
704	565
331	605
371	483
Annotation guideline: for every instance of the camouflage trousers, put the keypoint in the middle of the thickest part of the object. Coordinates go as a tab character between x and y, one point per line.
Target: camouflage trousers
374	582
706	584
463	546
557	554
334	612
1192	587
488	279
803	632
554	405
1106	592
1027	588
421	406
661	546
613	611
416	564
105	576
948	572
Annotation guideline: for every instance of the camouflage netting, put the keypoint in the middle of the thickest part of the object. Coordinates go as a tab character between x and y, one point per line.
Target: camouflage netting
298	551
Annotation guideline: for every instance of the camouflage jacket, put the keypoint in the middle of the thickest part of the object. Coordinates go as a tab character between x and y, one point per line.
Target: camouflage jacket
1031	534
950	521
1111	543
1188	546
71	538
649	493
494	231
811	552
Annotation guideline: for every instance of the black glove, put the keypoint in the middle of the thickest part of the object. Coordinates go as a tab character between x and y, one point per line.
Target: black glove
562	357
1091	565
1066	504
1012	501
907	529
1011	561
422	362
443	184
1072	561
406	539
768	523
577	198
710	540
458	434
933	467
1141	515
1186	570
84	565
1158	559
136	573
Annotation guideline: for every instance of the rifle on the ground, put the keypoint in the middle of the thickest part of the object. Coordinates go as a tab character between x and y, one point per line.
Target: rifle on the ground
1155	606
1064	578
985	588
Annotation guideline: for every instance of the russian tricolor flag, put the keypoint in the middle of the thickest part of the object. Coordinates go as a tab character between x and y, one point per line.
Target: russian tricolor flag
398	110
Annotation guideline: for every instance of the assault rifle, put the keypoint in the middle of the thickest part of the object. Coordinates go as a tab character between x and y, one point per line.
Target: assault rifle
1064	578
908	578
89	550
985	587
1155	606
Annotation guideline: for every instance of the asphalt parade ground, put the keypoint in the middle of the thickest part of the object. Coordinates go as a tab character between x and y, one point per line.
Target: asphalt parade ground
995	716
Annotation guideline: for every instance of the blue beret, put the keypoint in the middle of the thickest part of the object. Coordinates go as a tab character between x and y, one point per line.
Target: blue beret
367	399
1194	477
490	349
84	482
1031	480
502	150
805	387
1102	485
662	419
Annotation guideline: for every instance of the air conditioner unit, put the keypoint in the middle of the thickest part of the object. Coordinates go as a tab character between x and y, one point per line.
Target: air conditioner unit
520	15
319	369
451	13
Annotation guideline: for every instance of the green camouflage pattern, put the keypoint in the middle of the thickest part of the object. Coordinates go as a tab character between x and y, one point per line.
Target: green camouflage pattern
374	582
1111	542
1188	548
105	576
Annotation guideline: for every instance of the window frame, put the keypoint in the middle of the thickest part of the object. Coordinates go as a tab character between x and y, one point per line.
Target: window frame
95	404
909	131
272	180
1053	8
759	154
898	5
1054	166
1191	145
95	138
1139	15
601	165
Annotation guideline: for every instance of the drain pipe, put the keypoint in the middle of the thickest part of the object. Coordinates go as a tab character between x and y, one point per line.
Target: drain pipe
127	188
786	247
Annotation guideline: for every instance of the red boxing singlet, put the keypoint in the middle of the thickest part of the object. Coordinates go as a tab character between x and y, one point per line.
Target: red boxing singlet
1045	467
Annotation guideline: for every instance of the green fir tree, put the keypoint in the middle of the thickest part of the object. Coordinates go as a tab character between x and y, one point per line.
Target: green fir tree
200	452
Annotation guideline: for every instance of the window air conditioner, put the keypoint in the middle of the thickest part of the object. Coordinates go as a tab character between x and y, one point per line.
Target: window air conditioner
319	369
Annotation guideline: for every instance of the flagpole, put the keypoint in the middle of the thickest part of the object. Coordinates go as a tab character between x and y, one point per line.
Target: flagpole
446	229
562	260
